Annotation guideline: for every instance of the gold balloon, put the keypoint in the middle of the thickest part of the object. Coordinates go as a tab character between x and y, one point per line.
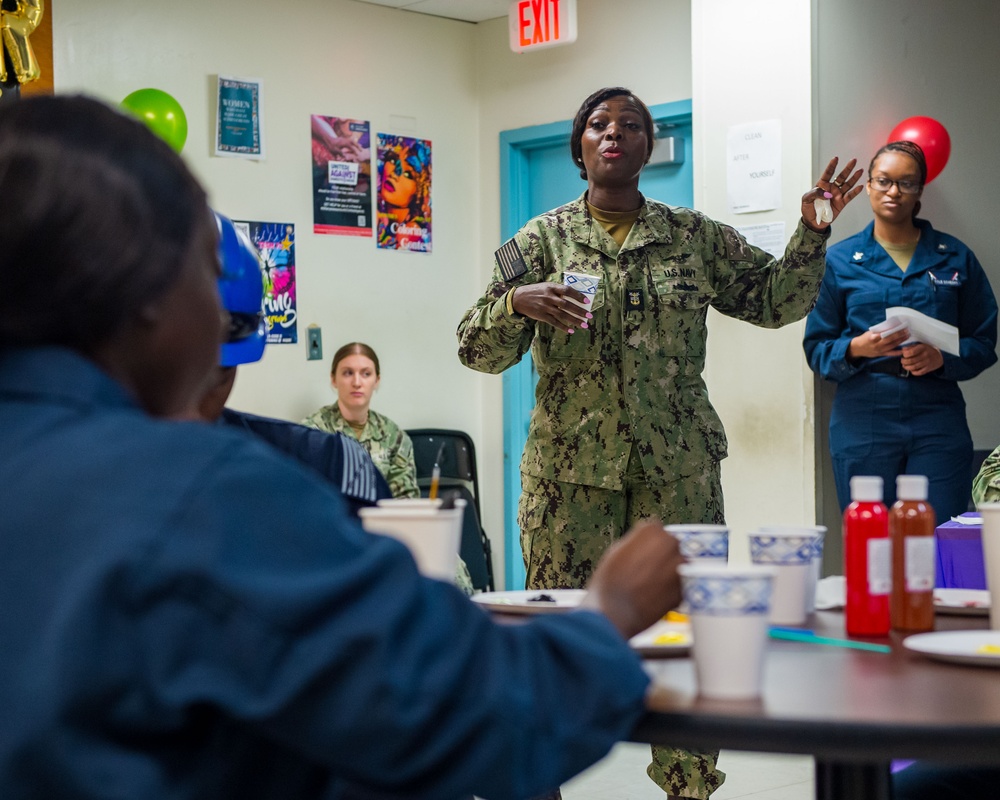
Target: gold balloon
16	26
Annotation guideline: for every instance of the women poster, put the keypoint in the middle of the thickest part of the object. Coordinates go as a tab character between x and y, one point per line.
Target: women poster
404	193
342	176
239	127
275	242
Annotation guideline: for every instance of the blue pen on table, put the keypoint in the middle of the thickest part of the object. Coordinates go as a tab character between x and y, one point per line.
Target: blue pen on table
811	637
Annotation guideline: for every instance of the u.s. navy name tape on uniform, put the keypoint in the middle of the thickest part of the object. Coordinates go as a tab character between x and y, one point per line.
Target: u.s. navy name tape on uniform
623	427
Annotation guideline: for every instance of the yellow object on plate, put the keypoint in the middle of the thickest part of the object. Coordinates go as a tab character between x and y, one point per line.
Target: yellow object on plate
683	638
989	649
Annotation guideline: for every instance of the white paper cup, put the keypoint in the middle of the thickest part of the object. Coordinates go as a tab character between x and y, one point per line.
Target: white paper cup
709	543
818	532
791	553
991	557
433	535
729	608
582	282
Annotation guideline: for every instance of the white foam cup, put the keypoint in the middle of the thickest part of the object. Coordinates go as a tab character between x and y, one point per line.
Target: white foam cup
818	532
728	606
582	282
433	535
791	554
990	513
699	542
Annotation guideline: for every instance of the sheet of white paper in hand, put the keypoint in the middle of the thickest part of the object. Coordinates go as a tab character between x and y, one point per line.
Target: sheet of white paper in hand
926	329
824	212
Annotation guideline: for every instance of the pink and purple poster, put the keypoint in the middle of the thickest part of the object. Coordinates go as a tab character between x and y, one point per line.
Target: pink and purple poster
404	193
275	241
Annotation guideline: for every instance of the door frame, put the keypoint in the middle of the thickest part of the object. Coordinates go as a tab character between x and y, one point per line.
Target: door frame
518	382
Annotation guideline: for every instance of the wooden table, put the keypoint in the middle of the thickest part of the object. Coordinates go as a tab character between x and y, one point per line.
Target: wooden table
854	711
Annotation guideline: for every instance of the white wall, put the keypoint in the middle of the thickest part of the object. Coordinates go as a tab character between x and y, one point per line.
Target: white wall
338	58
880	63
751	62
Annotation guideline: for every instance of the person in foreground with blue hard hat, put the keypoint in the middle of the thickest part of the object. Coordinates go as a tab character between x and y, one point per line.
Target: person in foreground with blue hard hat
338	458
172	631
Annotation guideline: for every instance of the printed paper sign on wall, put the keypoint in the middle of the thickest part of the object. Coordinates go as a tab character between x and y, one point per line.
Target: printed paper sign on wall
342	176
239	127
275	241
404	193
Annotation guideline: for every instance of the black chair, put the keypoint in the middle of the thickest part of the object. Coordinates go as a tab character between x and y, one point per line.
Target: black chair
458	473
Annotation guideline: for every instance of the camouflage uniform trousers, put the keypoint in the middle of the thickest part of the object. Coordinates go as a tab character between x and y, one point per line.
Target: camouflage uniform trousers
565	529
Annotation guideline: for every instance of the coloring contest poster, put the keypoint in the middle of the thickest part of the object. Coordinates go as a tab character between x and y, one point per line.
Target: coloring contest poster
404	193
275	241
342	176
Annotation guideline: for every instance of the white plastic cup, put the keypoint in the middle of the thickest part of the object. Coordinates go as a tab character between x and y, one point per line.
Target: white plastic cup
708	543
791	553
728	607
433	535
990	513
582	282
818	532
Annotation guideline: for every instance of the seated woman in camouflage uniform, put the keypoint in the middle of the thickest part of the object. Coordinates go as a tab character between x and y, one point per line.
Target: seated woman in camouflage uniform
355	374
623	428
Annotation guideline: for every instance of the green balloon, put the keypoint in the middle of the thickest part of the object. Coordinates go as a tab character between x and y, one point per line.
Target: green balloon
161	113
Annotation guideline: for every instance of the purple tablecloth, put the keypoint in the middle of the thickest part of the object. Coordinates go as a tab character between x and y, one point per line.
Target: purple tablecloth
960	556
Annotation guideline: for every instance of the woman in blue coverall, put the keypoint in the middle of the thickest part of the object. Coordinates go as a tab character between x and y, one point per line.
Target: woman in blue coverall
898	409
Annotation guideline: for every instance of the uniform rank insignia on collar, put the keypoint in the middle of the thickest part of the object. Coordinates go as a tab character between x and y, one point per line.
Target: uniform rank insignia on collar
737	248
510	261
858	255
635	300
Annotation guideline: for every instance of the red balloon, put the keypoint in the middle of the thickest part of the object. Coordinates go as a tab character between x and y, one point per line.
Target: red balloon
932	137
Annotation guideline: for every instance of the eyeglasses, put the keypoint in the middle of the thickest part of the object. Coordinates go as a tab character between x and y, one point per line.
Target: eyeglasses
243	324
883	184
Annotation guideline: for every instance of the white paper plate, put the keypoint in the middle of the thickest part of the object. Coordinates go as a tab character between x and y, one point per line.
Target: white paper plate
663	639
528	601
966	602
959	647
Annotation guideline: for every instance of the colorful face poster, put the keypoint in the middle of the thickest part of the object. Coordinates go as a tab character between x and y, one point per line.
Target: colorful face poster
404	193
275	241
342	176
239	126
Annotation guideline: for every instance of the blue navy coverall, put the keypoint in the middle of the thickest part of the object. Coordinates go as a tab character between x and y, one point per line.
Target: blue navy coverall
174	626
892	424
337	457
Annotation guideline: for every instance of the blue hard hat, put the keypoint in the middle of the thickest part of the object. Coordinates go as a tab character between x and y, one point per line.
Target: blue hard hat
241	286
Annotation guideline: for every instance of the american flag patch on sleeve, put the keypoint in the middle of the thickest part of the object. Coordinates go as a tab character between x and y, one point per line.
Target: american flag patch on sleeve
510	261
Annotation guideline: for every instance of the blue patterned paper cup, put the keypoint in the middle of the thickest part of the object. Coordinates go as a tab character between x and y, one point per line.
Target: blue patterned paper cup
698	542
791	553
729	609
818	532
582	282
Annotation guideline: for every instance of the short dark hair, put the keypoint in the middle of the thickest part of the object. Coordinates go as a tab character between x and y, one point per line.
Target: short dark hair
907	148
99	214
587	107
355	349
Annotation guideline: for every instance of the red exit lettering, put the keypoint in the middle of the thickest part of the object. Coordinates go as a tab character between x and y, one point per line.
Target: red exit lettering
538	21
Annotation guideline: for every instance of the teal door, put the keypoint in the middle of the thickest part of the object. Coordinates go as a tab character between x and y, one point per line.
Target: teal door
537	174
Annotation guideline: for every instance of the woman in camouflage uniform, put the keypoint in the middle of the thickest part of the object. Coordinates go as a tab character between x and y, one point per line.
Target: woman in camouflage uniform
622	427
355	375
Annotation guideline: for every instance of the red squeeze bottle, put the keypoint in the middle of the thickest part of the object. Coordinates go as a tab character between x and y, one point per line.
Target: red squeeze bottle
911	528
867	559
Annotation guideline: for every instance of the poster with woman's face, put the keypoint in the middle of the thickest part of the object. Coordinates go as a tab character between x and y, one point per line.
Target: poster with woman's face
404	193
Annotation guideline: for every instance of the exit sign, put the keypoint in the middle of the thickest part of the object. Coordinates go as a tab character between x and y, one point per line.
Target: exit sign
535	24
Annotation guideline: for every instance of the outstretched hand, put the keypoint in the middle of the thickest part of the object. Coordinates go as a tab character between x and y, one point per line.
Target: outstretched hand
636	582
838	191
